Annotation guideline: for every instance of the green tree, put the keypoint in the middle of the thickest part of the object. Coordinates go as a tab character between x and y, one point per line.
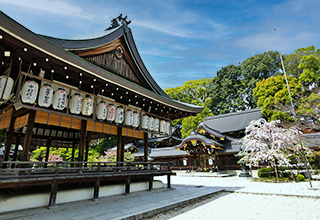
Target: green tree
194	92
233	86
225	93
310	76
273	92
292	61
191	123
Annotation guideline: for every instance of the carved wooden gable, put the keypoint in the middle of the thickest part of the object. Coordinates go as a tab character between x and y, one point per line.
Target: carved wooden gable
115	62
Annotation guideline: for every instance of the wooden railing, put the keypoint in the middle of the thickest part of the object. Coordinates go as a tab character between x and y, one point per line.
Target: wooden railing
31	169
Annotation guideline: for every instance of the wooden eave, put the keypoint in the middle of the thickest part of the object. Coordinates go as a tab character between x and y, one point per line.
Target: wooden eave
34	49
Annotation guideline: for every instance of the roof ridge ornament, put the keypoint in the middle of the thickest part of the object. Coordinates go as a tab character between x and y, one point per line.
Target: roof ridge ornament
119	21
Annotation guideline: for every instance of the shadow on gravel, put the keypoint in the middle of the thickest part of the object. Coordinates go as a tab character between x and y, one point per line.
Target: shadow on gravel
180	210
220	192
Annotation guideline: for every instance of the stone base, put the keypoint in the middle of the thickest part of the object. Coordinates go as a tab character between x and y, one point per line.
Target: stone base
244	174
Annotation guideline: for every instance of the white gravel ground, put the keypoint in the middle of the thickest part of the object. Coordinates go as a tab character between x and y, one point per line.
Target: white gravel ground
250	200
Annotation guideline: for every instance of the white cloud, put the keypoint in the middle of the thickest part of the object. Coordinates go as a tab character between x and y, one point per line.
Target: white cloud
49	6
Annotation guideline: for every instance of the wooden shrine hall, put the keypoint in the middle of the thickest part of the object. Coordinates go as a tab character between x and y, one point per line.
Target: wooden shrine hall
67	92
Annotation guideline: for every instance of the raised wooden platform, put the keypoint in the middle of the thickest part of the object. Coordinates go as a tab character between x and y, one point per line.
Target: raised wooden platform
39	176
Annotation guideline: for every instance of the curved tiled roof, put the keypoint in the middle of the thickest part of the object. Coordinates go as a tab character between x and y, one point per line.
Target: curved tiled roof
55	51
198	137
231	122
102	39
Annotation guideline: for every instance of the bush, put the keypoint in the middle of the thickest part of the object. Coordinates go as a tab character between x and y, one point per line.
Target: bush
264	172
300	177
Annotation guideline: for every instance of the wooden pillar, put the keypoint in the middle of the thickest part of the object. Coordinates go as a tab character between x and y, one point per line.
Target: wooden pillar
189	161
96	188
150	183
16	149
53	194
128	179
47	152
145	139
120	146
82	139
9	140
28	135
168	181
73	150
87	152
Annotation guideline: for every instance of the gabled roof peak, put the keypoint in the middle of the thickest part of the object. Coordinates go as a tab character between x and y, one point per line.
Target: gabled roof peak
120	21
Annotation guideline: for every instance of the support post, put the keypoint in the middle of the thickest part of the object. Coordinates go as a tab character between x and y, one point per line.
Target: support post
47	152
128	180
82	139
120	146
87	152
9	140
73	151
96	188
53	194
16	149
28	135
168	181
150	183
145	139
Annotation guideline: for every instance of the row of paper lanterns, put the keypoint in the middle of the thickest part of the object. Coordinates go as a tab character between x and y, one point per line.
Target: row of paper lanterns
104	111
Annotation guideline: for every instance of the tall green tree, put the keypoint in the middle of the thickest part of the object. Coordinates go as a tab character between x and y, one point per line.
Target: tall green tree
292	61
233	86
225	92
196	92
273	92
310	76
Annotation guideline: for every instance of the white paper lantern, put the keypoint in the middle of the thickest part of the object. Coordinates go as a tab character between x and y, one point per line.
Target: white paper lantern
45	95
151	123
156	125
145	122
119	115
168	128
59	99
76	103
87	106
102	110
111	112
29	92
136	119
163	126
8	88
128	119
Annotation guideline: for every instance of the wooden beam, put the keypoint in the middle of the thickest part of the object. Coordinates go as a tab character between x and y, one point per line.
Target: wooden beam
9	140
96	188
54	191
145	139
47	152
28	135
82	139
87	151
128	180
120	146
73	150
16	149
150	183
168	181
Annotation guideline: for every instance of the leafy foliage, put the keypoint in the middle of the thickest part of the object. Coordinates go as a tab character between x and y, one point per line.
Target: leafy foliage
191	123
194	92
300	177
273	91
292	61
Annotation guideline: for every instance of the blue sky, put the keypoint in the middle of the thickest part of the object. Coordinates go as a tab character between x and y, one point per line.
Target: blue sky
182	40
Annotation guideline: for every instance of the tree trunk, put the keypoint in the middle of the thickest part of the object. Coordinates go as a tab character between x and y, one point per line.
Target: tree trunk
275	169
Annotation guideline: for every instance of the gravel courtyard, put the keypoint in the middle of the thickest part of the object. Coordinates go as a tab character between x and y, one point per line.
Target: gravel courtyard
250	200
